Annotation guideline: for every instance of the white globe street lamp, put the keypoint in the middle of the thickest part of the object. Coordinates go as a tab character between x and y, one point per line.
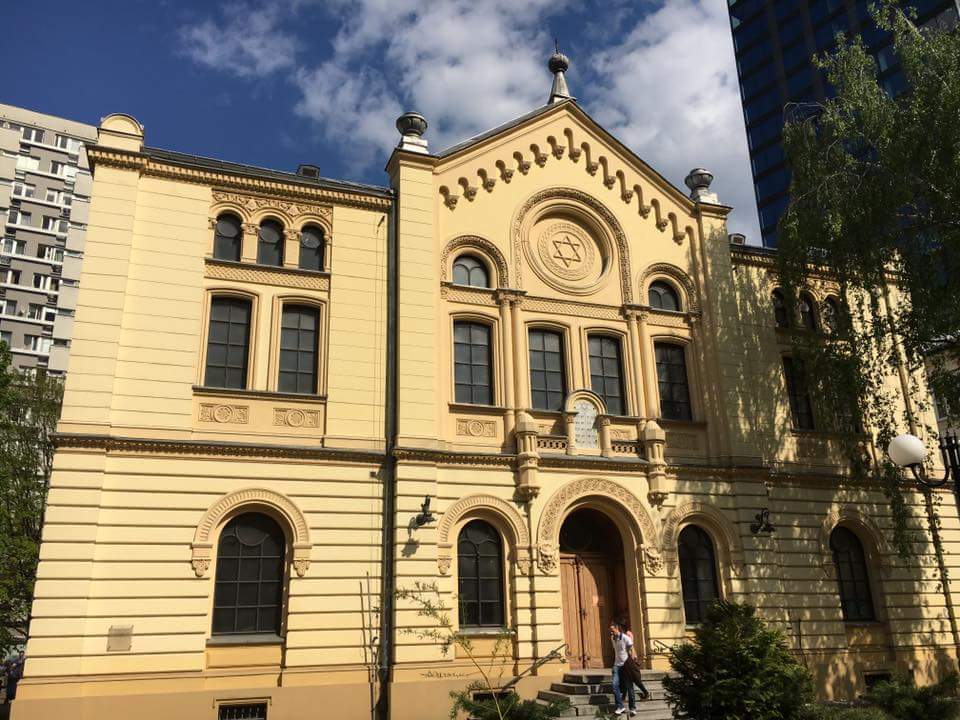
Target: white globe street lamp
908	451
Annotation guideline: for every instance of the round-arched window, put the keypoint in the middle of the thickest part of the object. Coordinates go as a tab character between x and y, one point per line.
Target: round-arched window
270	243
469	270
480	570
780	314
830	315
248	596
227	238
698	573
311	248
808	312
661	296
853	579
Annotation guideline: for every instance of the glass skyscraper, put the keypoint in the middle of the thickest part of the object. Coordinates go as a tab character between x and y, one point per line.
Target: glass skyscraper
774	41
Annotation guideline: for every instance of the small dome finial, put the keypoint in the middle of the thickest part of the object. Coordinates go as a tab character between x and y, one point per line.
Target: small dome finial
559	64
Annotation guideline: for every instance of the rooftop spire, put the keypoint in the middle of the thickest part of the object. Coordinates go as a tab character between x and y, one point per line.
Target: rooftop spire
558	65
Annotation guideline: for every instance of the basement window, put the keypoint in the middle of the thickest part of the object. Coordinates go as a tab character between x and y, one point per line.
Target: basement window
245	711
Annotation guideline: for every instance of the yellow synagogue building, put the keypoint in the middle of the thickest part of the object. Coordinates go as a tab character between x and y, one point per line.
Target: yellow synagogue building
530	371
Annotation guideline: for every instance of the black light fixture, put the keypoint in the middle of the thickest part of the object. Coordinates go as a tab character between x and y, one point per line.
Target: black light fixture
761	523
909	451
425	515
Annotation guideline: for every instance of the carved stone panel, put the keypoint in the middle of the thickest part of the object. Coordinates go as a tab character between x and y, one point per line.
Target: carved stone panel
476	428
230	414
295	417
585	424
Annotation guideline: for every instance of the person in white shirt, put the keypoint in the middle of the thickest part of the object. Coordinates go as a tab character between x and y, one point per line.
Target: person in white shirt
622	645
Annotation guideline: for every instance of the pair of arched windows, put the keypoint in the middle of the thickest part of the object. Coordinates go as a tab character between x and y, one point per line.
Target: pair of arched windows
811	318
470	270
228	345
228	243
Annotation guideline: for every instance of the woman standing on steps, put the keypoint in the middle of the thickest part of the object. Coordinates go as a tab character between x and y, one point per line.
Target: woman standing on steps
622	640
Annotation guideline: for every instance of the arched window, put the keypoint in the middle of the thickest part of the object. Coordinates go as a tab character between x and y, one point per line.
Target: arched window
469	270
472	363
228	343
480	569
311	248
548	377
830	315
299	329
853	581
227	238
780	314
606	371
250	567
270	243
661	296
672	382
808	312
698	573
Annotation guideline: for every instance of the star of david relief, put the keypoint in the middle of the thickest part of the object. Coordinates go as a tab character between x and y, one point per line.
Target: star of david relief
567	250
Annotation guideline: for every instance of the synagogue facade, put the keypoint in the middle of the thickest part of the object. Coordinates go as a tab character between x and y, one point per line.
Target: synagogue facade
530	375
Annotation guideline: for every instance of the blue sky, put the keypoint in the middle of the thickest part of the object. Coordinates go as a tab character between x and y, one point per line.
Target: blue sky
280	82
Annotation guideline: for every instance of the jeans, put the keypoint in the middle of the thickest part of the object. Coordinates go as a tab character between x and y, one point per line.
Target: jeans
618	693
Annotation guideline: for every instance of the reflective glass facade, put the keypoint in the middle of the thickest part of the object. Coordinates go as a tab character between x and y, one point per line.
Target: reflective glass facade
774	41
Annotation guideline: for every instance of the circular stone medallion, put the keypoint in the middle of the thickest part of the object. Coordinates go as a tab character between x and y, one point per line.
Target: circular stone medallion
566	251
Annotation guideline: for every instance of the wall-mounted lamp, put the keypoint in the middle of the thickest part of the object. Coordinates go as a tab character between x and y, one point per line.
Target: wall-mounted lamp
762	522
425	515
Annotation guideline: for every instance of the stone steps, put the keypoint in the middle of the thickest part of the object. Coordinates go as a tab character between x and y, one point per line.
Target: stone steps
590	694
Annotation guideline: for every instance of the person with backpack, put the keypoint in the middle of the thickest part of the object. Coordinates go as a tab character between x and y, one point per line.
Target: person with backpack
623	679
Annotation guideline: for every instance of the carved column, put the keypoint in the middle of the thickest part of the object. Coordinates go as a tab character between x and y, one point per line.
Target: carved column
528	458
248	249
633	333
506	339
648	367
606	446
291	248
520	352
654	442
568	418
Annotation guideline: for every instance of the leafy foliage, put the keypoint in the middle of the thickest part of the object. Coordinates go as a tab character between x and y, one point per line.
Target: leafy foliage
875	196
903	700
822	712
29	408
736	667
491	695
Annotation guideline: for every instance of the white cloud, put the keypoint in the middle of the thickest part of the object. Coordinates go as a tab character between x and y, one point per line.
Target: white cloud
246	41
668	90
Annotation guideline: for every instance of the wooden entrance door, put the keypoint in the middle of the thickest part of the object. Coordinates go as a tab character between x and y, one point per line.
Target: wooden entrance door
587	583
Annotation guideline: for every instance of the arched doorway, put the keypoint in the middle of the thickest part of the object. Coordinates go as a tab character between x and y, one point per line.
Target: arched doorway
593	586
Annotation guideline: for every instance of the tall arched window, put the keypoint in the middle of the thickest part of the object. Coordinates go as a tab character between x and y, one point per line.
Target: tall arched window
661	296
830	314
299	329
698	573
780	314
606	371
853	580
469	270
250	567
808	312
270	243
480	570
548	377
227	238
472	363
672	381
311	248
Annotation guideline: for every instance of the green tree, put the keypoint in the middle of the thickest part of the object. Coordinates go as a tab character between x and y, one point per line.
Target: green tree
29	408
734	668
903	700
875	198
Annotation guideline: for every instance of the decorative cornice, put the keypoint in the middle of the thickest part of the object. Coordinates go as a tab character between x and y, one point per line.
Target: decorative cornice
150	166
204	448
262	275
572	307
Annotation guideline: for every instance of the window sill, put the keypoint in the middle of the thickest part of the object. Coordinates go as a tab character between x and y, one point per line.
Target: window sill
262	394
829	434
486	631
469	407
697	424
246	639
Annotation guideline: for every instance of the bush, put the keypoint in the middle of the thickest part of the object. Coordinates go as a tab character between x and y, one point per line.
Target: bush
737	668
825	712
903	700
508	706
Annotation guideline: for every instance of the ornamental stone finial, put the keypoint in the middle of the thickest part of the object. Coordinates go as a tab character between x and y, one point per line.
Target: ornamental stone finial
412	126
559	64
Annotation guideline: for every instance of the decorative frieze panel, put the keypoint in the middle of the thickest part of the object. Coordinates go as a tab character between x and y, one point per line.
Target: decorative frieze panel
296	417
224	414
256	202
682	441
563	307
476	428
293	278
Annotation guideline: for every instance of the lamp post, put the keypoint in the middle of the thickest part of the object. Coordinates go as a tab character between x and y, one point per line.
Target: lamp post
908	451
